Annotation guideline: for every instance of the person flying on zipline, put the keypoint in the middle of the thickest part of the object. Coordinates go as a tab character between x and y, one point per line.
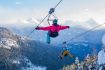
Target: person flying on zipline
65	51
53	31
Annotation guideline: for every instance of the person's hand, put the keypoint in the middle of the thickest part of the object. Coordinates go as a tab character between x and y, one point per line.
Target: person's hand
37	28
68	26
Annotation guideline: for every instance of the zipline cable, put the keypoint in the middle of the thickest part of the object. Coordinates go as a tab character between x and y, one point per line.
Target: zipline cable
58	3
37	26
43	20
84	33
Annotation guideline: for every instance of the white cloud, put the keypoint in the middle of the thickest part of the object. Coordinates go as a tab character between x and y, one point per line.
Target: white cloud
32	20
18	3
20	16
86	9
11	15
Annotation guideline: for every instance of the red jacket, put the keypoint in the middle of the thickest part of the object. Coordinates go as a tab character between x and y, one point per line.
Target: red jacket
53	28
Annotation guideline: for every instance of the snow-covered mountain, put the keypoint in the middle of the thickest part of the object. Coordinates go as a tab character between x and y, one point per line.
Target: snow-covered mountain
11	57
90	23
18	53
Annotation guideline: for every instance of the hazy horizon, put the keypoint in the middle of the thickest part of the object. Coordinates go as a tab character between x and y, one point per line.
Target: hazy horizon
15	11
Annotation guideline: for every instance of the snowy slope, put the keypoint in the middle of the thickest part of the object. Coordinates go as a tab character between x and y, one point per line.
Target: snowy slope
31	54
11	57
8	43
101	57
31	66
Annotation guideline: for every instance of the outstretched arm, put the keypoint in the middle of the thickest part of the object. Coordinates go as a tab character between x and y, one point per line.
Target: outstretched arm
43	28
63	27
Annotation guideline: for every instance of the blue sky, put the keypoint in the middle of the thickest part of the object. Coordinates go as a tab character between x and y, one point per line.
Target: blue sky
13	11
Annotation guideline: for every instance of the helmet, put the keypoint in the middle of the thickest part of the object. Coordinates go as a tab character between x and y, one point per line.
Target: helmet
55	21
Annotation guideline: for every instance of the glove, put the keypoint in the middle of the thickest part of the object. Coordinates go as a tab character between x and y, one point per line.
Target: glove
37	28
68	26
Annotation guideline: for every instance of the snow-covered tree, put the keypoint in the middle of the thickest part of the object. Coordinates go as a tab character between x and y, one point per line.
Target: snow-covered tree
101	56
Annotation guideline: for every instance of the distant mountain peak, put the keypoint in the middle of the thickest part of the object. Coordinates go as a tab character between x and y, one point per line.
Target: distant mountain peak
2	29
91	21
5	33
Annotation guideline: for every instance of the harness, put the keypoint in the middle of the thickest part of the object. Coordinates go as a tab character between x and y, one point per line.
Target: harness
53	34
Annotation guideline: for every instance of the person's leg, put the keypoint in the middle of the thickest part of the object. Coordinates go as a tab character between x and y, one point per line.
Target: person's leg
72	56
61	56
48	38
